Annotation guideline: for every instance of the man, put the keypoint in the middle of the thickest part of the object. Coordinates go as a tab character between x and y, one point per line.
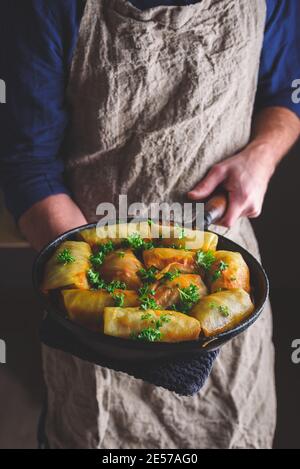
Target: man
153	99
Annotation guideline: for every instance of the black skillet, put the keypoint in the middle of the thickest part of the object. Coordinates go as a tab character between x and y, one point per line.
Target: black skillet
59	332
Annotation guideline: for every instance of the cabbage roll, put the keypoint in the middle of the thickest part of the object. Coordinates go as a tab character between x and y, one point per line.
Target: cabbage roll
187	238
161	258
68	267
167	293
115	233
86	307
229	271
222	311
122	265
150	325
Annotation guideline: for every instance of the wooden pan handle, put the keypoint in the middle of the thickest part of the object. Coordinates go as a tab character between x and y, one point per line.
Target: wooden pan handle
215	208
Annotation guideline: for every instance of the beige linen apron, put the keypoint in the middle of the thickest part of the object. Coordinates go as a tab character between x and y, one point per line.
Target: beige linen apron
157	98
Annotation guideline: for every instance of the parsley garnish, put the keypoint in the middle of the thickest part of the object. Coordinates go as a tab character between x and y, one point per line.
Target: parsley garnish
145	294
205	259
95	280
119	299
65	257
218	273
149	303
136	242
148	275
170	276
151	333
97	283
121	254
115	285
148	335
224	311
98	259
188	297
146	316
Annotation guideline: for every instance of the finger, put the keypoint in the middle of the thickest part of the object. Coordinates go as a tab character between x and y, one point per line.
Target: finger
234	211
208	185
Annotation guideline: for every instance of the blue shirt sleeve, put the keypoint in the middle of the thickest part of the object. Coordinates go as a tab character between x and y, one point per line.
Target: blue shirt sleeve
280	59
36	42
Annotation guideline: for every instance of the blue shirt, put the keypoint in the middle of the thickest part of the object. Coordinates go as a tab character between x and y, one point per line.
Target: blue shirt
37	40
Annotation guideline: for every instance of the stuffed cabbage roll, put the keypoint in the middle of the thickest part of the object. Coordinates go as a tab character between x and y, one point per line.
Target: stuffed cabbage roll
229	271
161	258
150	325
189	239
167	293
122	265
115	233
86	307
68	266
222	311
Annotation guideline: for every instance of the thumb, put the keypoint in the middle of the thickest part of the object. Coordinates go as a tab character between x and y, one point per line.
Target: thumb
207	186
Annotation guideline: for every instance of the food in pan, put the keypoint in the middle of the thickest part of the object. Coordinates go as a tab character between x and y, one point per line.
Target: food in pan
86	307
68	266
168	292
161	258
166	326
229	271
143	288
123	266
221	311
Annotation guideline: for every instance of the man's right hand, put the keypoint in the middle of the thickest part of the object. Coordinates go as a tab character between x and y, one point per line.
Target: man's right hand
49	218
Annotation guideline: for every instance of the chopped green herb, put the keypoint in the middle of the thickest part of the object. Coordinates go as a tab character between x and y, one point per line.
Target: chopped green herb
146	290
213	305
188	297
119	299
148	335
170	276
150	222
65	257
149	303
121	254
146	316
115	285
145	297
233	279
107	247
224	310
151	333
205	259
218	273
148	275
136	242
98	259
95	280
97	283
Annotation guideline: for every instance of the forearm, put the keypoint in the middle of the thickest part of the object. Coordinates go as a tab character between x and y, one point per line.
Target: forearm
275	130
49	218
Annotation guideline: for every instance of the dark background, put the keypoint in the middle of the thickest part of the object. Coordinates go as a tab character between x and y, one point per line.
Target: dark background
21	389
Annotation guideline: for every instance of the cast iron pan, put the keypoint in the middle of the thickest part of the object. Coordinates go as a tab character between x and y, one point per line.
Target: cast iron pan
59	332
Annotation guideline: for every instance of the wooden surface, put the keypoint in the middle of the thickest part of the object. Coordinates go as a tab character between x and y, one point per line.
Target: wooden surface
9	234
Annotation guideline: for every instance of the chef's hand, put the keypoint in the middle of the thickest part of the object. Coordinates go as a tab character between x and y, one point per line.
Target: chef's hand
49	218
245	178
246	175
